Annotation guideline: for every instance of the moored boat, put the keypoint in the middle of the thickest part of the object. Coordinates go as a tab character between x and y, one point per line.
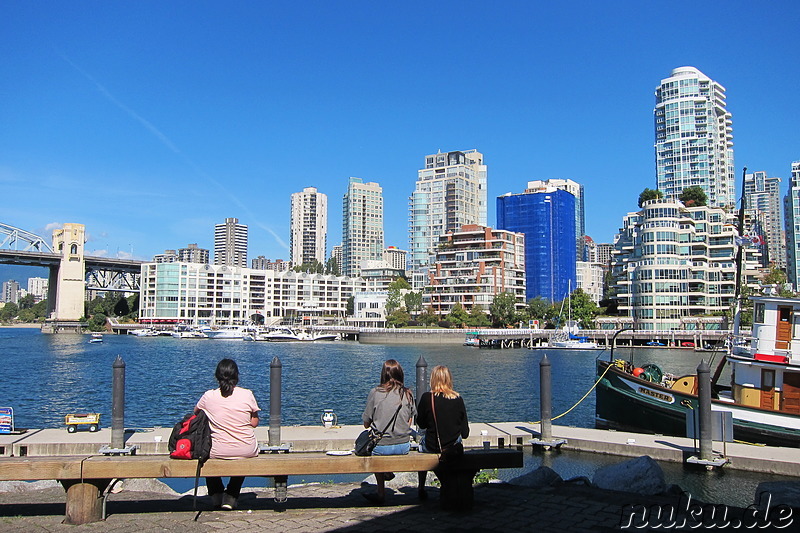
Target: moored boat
763	396
96	338
292	335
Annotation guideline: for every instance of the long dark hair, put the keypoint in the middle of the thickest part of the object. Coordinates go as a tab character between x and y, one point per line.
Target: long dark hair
228	376
392	377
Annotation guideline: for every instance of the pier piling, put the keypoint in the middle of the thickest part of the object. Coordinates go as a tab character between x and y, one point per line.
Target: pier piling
704	405
118	403
545	398
422	377
275	375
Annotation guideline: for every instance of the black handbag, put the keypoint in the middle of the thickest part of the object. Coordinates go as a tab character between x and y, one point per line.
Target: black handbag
368	439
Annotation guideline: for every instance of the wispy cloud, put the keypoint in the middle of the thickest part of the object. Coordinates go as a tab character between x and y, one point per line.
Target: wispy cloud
167	142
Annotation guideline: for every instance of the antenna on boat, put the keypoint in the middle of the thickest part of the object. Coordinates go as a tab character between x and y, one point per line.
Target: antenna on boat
739	260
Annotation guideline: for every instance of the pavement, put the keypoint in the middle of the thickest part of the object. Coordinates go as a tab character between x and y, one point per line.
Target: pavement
565	507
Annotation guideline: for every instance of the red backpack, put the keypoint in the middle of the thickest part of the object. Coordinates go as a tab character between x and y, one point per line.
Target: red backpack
191	438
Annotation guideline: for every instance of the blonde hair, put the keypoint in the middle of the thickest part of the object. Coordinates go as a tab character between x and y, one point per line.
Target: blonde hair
442	382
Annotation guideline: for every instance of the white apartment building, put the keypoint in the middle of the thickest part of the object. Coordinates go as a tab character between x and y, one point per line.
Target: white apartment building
230	243
362	225
450	192
763	205
222	294
590	279
474	265
38	288
694	137
169	256
193	254
11	292
308	227
672	263
395	257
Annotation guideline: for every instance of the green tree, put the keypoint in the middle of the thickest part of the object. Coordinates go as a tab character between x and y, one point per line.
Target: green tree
27	301
539	308
8	312
332	267
428	316
503	309
457	315
133	306
121	307
399	283
649	194
413	301
398	318
351	306
584	310
313	267
693	196
478	318
394	301
27	315
97	322
40	309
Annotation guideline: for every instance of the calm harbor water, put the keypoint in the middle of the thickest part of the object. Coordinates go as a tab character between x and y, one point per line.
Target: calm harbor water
48	376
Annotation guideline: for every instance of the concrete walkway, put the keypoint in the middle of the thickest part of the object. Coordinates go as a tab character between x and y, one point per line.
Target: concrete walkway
340	507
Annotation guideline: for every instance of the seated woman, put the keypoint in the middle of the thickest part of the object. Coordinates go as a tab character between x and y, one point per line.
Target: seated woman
443	415
390	408
232	414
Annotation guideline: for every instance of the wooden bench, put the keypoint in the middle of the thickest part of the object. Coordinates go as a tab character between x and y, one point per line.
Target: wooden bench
85	478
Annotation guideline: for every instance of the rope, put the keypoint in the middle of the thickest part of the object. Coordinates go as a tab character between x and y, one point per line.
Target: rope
610	364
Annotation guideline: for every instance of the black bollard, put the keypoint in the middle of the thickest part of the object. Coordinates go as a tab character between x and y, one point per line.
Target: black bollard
118	404
275	371
704	408
422	377
545	398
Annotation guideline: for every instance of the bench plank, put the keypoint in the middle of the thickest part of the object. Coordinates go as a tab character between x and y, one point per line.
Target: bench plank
37	468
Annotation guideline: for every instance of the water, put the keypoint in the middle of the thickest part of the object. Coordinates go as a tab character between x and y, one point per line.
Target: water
48	376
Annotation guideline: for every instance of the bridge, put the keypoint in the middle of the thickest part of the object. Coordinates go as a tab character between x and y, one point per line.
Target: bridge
71	272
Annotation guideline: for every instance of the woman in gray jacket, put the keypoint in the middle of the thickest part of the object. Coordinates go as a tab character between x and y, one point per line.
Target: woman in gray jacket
390	408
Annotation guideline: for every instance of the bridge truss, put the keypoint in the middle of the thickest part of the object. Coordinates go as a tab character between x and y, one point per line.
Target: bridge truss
112	280
14	237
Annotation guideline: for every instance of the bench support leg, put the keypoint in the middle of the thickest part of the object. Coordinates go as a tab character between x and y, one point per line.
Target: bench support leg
456	493
85	500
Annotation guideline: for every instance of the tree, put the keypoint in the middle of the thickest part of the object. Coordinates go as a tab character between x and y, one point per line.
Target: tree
26	302
457	315
351	306
399	283
97	322
584	310
478	318
777	277
398	318
539	308
693	196
413	301
503	309
394	301
332	267
8	312
313	267
649	194
121	308
428	316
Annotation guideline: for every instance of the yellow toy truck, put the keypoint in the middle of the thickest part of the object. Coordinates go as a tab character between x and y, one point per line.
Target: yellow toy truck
74	420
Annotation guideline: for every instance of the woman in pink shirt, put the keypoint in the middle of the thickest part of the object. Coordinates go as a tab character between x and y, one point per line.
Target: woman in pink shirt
233	414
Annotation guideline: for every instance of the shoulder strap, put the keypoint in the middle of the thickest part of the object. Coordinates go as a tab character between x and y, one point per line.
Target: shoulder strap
435	423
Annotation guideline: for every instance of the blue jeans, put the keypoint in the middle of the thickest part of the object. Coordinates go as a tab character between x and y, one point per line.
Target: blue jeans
392	449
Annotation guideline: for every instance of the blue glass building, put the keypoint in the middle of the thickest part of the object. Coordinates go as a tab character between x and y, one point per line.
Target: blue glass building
547	218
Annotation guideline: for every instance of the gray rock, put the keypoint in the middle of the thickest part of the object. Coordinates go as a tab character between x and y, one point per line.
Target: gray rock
641	475
145	485
27	486
774	493
543	476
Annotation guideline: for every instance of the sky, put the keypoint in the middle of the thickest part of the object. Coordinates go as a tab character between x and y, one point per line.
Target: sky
149	122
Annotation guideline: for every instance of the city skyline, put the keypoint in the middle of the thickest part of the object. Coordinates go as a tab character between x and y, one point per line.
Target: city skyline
185	115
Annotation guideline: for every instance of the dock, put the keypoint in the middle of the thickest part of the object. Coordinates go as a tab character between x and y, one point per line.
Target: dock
773	460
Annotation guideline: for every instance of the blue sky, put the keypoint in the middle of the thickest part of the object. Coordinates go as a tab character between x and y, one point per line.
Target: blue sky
151	121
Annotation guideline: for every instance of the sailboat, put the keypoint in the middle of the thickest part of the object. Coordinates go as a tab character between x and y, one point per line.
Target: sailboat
567	338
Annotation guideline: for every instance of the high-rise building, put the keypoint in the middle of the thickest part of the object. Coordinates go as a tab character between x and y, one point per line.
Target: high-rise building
262	263
169	256
674	263
791	214
547	218
38	288
763	205
395	257
308	227
450	192
193	254
11	292
694	138
472	266
230	243
336	254
362	225
576	190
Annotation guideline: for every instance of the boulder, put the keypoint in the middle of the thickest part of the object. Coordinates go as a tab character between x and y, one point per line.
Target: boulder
146	485
641	475
543	476
26	486
774	493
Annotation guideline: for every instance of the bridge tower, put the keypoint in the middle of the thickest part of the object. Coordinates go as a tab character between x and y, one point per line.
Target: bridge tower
67	285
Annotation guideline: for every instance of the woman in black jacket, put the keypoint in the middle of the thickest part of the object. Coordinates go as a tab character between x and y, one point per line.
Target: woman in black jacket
443	415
